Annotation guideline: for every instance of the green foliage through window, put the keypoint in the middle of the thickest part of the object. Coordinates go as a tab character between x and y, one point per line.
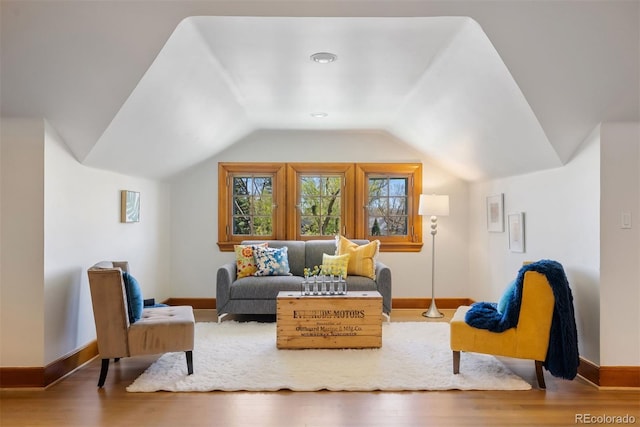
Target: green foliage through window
252	209
320	205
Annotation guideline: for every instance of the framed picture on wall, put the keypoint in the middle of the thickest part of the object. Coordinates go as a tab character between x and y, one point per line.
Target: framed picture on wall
130	206
516	232
495	213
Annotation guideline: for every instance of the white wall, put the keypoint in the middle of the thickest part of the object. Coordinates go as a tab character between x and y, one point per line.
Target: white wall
58	218
620	248
21	238
562	222
81	227
195	256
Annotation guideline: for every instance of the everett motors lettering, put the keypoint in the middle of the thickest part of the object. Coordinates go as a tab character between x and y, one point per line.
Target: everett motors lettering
328	314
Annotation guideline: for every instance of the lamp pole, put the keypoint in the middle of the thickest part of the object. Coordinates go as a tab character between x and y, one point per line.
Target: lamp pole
433	310
435	206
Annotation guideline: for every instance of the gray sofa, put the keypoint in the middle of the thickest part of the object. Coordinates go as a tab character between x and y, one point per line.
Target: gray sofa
257	295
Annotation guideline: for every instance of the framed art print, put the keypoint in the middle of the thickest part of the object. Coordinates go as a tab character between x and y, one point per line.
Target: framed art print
495	213
516	232
130	206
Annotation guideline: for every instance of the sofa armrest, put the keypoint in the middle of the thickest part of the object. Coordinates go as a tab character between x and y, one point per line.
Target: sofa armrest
383	282
225	277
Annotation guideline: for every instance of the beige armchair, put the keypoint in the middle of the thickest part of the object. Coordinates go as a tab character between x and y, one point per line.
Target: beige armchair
160	330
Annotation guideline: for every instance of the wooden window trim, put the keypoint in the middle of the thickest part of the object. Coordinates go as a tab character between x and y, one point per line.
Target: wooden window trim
294	170
285	195
226	239
413	241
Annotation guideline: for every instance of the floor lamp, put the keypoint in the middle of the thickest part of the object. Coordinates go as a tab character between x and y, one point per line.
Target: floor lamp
435	206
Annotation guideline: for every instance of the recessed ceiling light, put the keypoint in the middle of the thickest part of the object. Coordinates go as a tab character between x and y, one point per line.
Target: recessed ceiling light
319	114
323	57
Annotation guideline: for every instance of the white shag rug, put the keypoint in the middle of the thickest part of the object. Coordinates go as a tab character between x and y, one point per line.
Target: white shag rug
233	356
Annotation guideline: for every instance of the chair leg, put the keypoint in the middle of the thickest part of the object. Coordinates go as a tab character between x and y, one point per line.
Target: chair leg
189	355
103	372
456	362
540	375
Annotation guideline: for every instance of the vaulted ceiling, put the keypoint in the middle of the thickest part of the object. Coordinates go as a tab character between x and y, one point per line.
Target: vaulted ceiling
150	89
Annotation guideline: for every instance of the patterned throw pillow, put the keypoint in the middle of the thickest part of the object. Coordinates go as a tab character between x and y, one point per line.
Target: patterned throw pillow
362	258
335	264
245	261
272	261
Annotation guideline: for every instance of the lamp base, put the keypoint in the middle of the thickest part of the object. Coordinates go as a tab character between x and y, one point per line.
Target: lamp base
433	311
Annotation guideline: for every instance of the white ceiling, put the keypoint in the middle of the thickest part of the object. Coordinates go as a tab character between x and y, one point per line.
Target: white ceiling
165	88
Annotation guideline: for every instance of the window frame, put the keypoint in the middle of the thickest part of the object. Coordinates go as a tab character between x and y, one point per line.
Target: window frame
295	171
225	194
286	196
412	241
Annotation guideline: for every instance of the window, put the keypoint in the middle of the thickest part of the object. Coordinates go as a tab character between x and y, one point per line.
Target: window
321	195
251	202
319	206
387	206
302	201
388	195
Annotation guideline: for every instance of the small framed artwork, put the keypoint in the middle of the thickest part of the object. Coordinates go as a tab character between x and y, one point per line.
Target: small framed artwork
516	232
495	213
130	206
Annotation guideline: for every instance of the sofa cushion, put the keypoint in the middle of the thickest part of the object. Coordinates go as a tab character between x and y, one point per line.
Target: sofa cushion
362	260
315	249
335	264
245	260
162	330
266	287
271	261
361	283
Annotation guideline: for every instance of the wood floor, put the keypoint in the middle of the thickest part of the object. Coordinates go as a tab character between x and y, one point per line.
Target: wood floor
76	401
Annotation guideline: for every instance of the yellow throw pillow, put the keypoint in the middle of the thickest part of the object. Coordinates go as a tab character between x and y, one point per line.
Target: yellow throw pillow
361	257
245	261
335	264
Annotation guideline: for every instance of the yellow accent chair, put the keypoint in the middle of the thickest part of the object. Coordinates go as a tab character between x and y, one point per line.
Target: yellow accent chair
159	330
528	340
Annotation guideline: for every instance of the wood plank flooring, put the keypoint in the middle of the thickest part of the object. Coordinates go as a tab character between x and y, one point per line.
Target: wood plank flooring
76	401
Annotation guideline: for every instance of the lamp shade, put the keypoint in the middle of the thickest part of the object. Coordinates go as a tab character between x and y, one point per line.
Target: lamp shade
433	205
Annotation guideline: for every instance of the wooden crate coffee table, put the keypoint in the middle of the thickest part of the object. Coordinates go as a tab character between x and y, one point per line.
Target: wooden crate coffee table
353	320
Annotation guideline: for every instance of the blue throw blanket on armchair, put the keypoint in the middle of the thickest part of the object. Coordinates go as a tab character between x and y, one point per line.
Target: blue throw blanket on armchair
562	356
